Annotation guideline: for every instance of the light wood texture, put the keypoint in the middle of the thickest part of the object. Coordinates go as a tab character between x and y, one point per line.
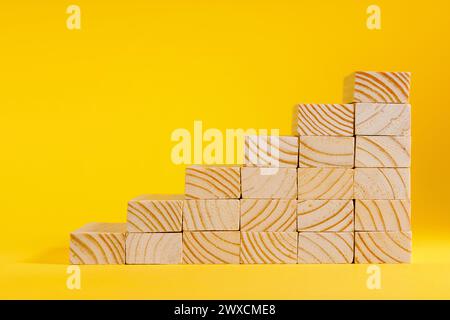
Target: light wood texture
212	215
268	215
271	151
279	184
382	215
153	248
374	119
383	151
269	247
325	184
325	215
326	151
211	247
325	120
98	243
383	247
213	182
155	213
325	247
382	184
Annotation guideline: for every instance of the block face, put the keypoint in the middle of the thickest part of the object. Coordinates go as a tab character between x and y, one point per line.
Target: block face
383	151
211	182
325	215
325	119
374	119
279	184
382	184
383	247
268	215
326	152
217	214
269	247
325	184
325	247
271	151
153	248
382	215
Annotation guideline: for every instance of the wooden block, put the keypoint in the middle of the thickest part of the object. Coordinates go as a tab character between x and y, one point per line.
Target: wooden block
383	151
213	182
268	215
382	184
211	247
154	248
271	151
325	184
383	247
325	215
325	120
98	243
212	215
374	119
155	213
278	184
269	247
325	247
382	215
326	152
383	87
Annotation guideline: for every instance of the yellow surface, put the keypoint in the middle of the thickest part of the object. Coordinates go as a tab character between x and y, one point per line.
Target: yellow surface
86	118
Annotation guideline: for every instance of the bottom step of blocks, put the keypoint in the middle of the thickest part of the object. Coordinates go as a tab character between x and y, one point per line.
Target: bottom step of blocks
269	248
325	247
153	248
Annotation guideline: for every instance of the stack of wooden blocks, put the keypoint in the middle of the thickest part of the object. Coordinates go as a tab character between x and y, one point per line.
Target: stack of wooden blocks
336	193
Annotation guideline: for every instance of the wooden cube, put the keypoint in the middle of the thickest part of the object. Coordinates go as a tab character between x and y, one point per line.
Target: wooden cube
325	247
98	243
216	247
155	213
382	215
374	119
382	184
257	183
271	151
268	215
383	151
325	184
383	247
325	215
213	182
154	248
212	215
326	151
269	247
325	119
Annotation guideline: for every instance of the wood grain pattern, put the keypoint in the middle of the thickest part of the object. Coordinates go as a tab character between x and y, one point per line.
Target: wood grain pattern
382	184
211	215
325	215
268	215
325	247
383	151
326	151
269	247
213	182
153	248
325	120
280	184
374	119
325	184
382	215
271	151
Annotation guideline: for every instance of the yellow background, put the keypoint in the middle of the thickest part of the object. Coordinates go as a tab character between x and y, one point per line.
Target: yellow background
86	118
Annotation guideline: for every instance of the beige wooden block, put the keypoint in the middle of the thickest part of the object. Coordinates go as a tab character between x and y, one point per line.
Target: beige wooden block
154	248
269	183
271	151
327	152
383	247
325	184
325	215
269	247
211	215
211	247
382	215
325	247
268	215
213	182
325	120
383	87
155	213
382	184
374	119
98	243
383	151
